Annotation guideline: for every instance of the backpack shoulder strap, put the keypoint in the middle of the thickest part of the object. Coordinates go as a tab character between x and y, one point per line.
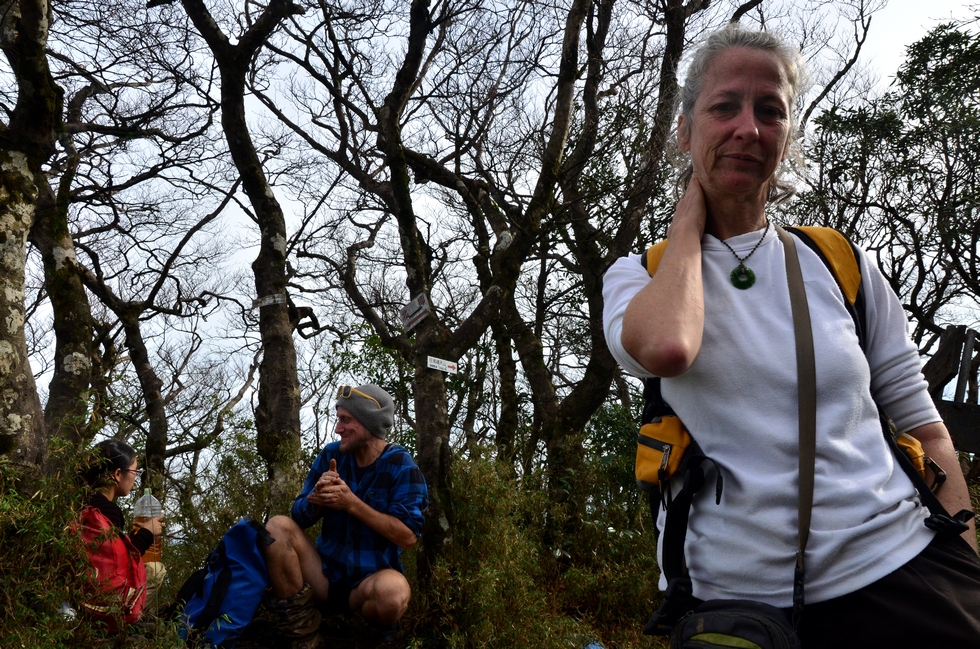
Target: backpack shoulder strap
840	256
652	256
838	253
833	248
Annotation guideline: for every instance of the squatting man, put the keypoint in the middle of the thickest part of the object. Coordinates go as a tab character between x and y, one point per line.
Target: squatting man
369	495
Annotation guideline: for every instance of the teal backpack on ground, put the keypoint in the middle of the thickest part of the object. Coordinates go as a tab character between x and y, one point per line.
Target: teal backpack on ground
218	601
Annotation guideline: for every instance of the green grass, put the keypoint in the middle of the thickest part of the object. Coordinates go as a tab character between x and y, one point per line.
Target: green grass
499	586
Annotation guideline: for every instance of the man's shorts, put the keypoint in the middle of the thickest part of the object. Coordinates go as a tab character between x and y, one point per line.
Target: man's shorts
338	596
338	599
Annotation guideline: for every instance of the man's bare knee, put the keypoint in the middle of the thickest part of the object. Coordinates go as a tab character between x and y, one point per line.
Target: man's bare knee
283	532
383	597
292	560
282	527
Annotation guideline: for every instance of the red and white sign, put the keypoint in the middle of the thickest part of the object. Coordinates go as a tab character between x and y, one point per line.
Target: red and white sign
414	312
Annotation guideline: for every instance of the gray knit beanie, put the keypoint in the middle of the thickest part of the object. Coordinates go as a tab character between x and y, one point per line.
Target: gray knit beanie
370	405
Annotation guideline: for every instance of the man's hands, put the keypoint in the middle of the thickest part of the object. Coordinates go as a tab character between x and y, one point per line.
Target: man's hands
330	491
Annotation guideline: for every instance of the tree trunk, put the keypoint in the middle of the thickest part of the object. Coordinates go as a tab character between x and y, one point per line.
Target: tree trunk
277	420
506	432
21	421
24	146
67	405
434	460
150	385
431	402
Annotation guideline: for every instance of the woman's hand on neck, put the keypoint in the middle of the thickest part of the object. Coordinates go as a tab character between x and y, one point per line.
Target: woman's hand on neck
690	214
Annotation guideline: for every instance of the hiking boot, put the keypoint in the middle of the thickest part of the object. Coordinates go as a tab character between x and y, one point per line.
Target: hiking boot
368	634
310	642
297	619
263	631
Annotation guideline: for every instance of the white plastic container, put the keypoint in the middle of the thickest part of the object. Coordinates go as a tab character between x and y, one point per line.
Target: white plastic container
148	507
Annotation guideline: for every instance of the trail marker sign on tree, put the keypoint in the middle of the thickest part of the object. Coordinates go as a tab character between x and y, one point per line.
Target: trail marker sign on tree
441	364
414	312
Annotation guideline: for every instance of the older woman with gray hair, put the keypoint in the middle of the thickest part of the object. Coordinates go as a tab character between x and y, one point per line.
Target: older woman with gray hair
715	323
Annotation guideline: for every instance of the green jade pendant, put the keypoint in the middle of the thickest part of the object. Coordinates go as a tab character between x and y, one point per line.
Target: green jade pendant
742	277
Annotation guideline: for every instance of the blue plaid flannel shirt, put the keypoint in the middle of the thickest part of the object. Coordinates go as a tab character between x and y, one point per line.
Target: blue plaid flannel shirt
350	550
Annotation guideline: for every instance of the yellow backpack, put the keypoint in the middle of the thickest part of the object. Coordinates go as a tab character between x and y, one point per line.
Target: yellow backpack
663	440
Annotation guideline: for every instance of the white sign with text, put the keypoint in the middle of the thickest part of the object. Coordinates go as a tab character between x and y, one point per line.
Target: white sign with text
441	365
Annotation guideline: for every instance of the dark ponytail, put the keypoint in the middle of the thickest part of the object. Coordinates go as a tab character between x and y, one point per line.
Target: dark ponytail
108	456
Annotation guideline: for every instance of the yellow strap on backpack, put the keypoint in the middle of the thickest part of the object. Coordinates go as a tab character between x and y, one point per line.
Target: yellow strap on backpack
913	449
659	450
839	255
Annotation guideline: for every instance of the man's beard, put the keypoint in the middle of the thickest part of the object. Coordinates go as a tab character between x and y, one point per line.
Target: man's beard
352	445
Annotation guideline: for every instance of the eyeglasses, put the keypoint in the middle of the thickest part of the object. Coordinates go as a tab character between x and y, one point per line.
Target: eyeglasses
138	472
346	391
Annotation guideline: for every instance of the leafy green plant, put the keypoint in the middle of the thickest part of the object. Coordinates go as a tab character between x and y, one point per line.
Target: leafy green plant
491	591
43	566
500	586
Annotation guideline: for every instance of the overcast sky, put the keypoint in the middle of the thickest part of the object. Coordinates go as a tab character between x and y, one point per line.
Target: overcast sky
902	23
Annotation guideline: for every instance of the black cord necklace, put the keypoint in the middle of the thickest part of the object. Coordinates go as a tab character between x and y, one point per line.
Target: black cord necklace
742	276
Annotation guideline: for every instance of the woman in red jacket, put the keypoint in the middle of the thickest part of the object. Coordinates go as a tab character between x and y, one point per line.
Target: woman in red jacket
118	574
113	474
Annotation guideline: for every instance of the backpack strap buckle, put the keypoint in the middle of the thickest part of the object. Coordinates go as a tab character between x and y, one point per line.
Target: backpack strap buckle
678	602
945	525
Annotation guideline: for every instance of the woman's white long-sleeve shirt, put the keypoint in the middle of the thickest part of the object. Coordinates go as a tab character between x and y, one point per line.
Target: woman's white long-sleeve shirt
739	400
